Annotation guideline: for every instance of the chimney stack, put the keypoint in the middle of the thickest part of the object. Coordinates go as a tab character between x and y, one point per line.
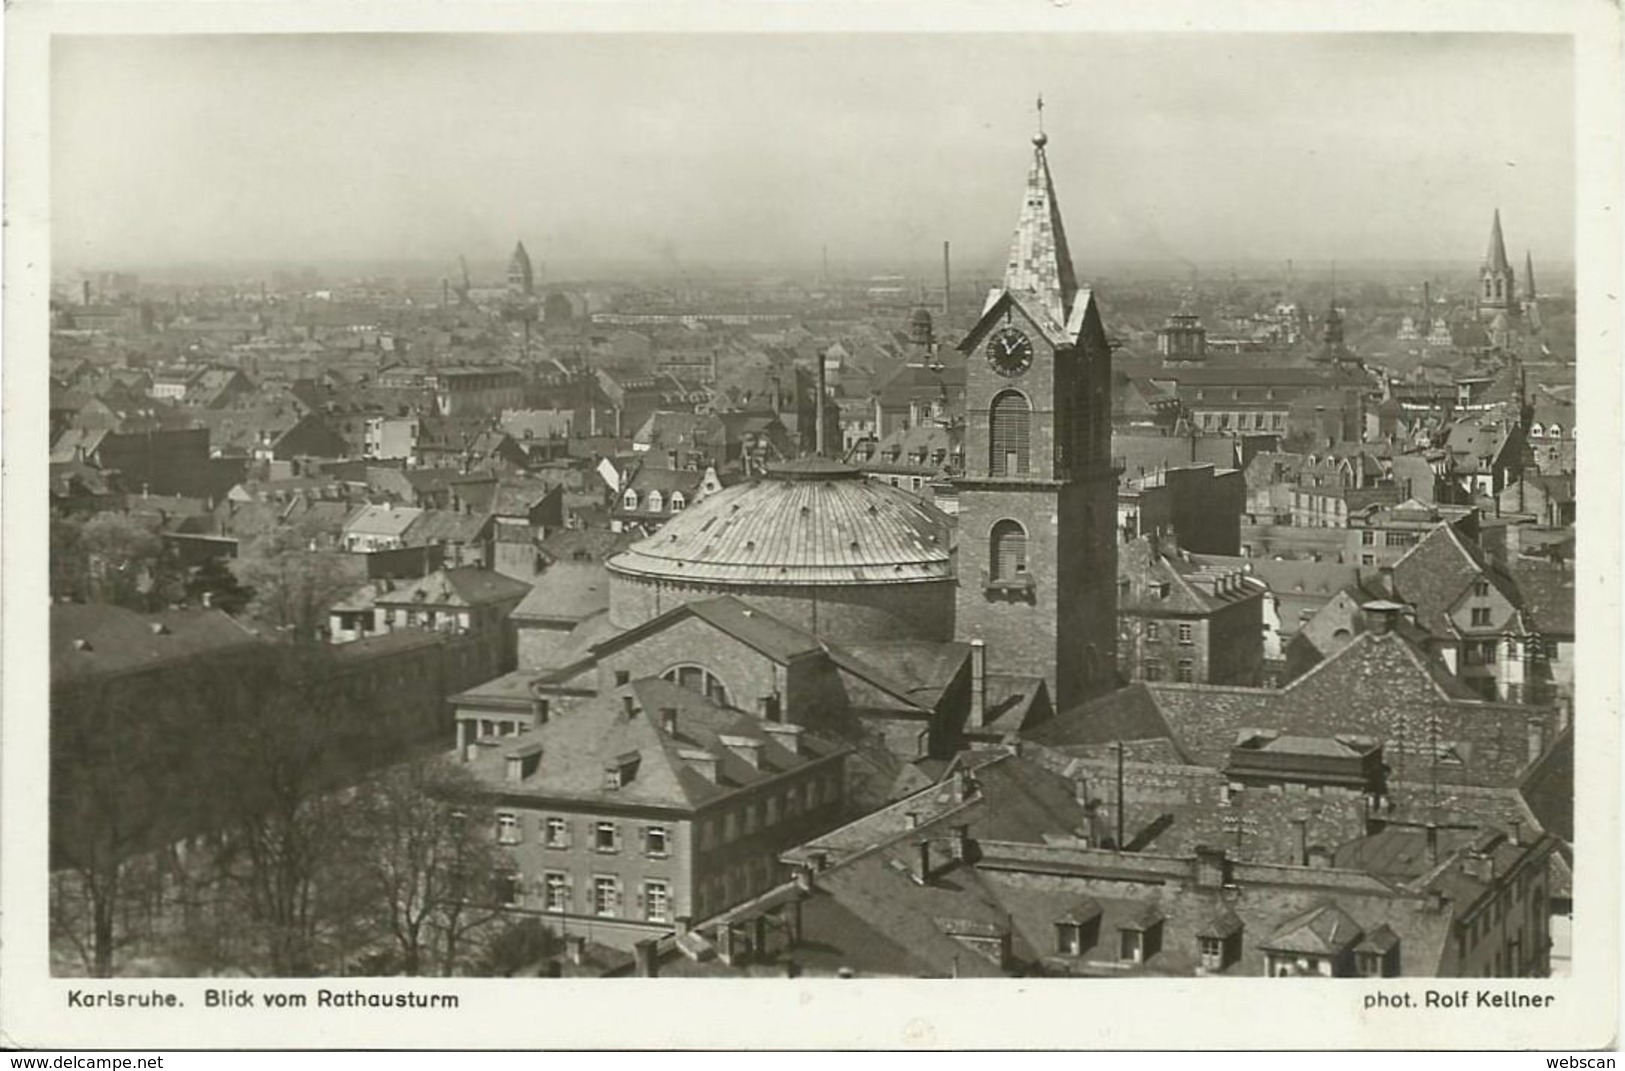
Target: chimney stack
922	873
629	705
767	708
648	964
575	947
947	287
978	683
818	419
668	720
538	710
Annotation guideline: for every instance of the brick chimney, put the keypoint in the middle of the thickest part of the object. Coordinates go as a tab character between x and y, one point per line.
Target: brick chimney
767	708
978	683
922	863
538	710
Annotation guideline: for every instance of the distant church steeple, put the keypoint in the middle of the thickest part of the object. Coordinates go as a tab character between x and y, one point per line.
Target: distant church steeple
521	278
1531	297
1496	281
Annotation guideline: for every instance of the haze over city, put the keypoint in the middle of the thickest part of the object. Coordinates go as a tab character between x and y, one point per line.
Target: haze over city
767	149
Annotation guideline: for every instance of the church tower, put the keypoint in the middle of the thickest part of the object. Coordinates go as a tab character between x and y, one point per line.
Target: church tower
1037	559
521	278
1531	299
1497	294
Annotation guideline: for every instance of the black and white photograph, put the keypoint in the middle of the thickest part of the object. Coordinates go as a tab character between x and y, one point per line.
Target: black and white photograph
810	506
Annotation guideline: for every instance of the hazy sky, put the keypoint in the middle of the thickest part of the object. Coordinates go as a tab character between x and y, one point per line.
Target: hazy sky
767	147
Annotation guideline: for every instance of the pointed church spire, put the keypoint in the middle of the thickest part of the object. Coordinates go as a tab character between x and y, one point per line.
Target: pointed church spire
1529	276
1040	266
1495	258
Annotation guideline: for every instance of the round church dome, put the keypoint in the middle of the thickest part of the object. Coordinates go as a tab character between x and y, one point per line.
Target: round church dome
811	541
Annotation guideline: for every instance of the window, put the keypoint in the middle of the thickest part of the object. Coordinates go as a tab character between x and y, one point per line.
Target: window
1186	671
507	888
1008	434
1368	538
1153	631
698	679
606	897
1368	559
606	837
1151	670
555	891
655	841
1481	616
656	901
657	501
1185	632
730	827
1212	954
1007	544
507	829
750	818
1131	947
630	499
678	502
1481	588
556	832
772	818
1399	539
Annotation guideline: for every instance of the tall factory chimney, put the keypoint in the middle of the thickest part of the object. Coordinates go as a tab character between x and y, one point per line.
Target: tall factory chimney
947	285
818	419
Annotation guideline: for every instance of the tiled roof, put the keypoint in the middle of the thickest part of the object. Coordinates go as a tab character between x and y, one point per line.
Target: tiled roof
461	586
1326	930
1127	714
1381	686
575	748
1546	594
387	520
1434	574
817	523
92	639
1548	788
568	590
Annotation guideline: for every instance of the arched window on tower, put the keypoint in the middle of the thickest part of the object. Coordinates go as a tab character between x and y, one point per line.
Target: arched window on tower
1007	552
1009	422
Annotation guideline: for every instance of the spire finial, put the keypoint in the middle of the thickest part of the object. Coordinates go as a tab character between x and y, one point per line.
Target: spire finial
1040	139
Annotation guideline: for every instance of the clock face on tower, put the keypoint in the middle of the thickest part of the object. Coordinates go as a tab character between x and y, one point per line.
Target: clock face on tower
1010	352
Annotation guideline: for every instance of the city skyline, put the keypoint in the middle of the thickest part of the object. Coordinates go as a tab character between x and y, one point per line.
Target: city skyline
419	148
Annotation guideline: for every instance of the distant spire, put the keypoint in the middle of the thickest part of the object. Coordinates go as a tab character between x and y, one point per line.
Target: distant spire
1529	276
1495	258
1040	265
521	277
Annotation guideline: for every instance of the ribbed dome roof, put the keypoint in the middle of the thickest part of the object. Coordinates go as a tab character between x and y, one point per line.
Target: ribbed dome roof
808	522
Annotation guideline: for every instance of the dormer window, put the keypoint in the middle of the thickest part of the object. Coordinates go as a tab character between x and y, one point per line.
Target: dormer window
677	502
630	499
656	501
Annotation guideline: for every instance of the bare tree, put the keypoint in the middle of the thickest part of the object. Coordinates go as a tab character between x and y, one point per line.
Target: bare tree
425	853
112	756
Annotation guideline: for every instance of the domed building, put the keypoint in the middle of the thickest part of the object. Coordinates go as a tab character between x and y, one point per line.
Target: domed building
813	544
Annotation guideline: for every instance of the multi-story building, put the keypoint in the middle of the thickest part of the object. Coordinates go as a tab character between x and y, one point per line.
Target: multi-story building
1180	619
651	808
476	389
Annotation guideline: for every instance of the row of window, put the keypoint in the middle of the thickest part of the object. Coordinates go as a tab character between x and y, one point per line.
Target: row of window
1139	944
767	811
741	881
604	893
1368	538
1153	631
1243	421
556	831
654	502
1184	671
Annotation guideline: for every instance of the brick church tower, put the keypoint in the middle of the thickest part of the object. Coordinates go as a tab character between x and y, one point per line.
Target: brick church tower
1037	559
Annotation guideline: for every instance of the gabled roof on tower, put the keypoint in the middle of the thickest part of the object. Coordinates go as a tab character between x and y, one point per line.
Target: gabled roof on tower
1495	258
1039	267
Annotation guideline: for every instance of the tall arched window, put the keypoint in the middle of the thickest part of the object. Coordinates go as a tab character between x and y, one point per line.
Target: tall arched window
698	679
1007	551
655	502
1009	419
